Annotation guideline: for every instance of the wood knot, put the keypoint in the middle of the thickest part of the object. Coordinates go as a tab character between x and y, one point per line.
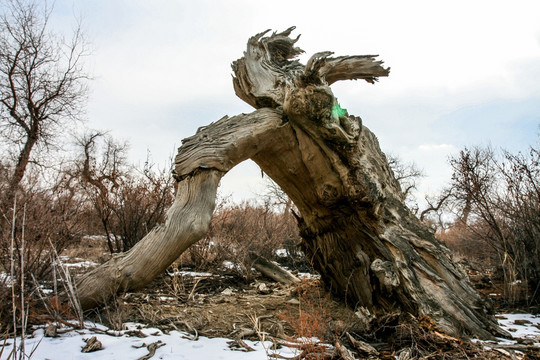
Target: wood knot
328	194
386	274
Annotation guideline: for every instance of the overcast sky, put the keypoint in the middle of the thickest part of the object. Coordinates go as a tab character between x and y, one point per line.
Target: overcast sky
462	72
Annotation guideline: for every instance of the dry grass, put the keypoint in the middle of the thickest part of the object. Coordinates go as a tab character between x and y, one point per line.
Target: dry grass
310	320
237	230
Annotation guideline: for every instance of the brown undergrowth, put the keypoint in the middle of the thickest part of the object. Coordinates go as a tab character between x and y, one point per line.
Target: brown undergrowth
303	316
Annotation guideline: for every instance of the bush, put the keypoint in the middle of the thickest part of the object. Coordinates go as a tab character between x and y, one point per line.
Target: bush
496	201
237	230
42	219
128	201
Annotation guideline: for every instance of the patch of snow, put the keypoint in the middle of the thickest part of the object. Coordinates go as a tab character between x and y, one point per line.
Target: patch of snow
71	262
5	278
521	326
82	264
307	276
69	344
193	274
281	253
44	290
231	266
95	237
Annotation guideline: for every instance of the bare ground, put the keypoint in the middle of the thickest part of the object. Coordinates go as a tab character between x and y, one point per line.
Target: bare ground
227	305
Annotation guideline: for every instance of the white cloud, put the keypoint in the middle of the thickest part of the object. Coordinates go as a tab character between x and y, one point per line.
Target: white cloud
156	62
437	147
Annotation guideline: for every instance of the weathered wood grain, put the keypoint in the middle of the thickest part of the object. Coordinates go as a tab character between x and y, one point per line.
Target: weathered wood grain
366	244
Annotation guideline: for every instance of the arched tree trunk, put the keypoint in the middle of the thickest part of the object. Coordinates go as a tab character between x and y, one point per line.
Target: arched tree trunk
355	229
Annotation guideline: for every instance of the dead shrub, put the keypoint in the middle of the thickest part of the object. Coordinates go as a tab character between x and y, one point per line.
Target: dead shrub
497	199
464	244
310	319
237	230
44	218
114	314
129	201
41	214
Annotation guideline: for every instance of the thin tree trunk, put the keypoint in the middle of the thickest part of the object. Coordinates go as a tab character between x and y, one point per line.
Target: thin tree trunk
20	168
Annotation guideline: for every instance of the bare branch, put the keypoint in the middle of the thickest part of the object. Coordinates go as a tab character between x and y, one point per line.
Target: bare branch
42	83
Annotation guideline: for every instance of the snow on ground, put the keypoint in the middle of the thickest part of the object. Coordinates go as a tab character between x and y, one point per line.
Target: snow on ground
281	253
521	326
5	278
177	346
76	262
194	274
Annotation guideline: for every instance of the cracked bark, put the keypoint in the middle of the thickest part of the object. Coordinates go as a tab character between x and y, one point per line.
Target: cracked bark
356	231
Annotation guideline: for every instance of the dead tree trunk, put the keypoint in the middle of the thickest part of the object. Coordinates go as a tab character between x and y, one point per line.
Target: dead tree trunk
355	228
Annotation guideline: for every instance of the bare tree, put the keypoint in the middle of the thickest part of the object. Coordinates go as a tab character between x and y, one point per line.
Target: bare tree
275	197
521	208
100	169
436	205
42	83
408	175
497	199
128	201
474	180
142	200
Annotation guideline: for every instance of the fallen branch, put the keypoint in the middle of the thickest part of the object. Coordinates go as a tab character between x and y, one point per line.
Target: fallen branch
92	344
345	353
362	347
518	347
272	270
239	345
508	353
191	329
152	349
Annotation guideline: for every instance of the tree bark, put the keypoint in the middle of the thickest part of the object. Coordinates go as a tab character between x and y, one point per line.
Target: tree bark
368	247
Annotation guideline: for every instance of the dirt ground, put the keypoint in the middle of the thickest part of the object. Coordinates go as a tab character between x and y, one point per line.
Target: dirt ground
227	305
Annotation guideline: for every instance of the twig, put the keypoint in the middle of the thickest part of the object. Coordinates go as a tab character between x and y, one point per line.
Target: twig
39	292
300	356
191	329
5	344
152	349
34	348
190	297
23	312
69	287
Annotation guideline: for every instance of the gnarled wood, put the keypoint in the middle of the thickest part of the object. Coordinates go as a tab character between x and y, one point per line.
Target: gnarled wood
356	231
187	222
198	172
